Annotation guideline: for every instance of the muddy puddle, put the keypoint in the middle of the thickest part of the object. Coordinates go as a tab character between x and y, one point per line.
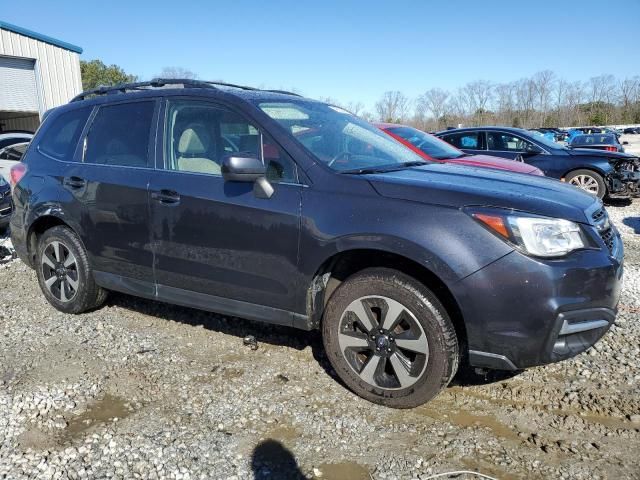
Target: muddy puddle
344	471
464	419
99	412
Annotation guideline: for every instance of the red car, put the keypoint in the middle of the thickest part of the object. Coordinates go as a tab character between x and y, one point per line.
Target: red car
434	149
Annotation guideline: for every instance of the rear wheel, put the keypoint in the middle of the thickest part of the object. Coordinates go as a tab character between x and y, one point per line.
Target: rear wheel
589	181
389	338
64	275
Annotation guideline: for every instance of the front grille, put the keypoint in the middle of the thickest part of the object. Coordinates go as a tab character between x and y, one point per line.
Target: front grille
608	238
598	214
604	228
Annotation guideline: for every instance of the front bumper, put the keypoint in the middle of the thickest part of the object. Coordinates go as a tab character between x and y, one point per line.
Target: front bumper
520	312
624	184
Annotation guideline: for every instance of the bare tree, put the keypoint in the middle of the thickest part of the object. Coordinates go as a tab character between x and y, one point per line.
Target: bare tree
629	89
543	83
433	101
177	72
478	95
393	107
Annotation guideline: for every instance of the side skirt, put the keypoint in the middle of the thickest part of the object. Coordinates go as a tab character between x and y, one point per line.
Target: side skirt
202	301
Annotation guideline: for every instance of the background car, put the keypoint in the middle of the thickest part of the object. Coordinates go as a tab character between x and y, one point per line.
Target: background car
631	130
5	204
599	172
9	156
599	141
432	148
8	138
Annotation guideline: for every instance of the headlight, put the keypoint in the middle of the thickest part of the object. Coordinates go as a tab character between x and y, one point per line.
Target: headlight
534	235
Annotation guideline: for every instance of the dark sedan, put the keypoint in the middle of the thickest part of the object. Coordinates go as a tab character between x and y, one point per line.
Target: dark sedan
600	141
599	172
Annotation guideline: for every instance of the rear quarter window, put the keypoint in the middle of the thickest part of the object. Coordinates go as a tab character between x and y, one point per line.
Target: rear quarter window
61	136
464	140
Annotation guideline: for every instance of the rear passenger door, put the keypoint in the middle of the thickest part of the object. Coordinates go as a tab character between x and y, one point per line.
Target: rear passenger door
111	183
218	246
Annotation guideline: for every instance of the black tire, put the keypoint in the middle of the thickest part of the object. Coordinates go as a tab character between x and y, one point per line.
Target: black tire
583	178
423	313
87	295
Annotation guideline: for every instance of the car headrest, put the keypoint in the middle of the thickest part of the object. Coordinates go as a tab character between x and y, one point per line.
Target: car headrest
194	140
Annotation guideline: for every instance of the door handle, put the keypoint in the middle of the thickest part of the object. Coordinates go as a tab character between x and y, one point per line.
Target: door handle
166	197
74	182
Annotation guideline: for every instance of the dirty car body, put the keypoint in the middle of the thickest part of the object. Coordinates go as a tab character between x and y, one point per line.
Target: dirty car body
283	246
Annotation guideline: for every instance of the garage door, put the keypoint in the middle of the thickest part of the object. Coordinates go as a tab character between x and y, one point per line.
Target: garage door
18	91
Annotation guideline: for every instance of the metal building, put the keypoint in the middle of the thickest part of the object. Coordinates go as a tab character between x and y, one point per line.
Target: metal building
37	73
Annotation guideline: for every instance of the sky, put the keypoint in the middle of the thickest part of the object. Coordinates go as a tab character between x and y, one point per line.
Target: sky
351	51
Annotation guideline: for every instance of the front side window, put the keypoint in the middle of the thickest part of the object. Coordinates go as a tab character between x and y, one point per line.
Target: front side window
462	140
200	135
507	143
119	135
338	139
61	136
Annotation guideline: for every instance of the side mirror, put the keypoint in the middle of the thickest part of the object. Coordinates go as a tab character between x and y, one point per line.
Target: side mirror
247	169
242	169
625	143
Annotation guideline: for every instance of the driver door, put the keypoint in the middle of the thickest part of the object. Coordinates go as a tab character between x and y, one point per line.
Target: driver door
215	243
514	147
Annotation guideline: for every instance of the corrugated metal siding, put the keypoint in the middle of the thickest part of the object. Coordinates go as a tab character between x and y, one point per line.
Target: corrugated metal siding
18	92
57	70
25	123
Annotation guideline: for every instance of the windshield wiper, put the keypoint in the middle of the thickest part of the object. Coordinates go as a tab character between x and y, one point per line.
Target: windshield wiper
383	168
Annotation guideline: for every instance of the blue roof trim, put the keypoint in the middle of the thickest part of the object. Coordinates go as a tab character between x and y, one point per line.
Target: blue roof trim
39	36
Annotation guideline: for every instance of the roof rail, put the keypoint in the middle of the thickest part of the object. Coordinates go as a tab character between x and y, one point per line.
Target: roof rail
155	83
162	82
284	92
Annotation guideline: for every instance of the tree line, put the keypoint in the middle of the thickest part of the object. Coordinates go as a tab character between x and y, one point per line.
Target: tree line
542	100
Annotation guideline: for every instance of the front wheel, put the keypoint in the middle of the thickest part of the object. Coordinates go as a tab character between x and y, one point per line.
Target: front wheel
389	338
589	181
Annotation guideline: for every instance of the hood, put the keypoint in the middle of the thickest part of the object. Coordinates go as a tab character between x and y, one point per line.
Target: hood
495	162
592	152
458	186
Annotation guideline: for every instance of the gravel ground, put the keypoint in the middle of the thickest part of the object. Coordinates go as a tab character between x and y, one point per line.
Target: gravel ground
139	389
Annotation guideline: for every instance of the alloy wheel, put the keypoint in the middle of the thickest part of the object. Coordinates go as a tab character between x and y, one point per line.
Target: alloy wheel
585	182
60	271
383	343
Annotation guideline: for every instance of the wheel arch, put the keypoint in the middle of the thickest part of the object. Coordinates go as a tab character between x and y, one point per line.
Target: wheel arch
40	223
338	267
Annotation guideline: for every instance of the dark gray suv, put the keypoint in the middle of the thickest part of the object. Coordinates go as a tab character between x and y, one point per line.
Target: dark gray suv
269	206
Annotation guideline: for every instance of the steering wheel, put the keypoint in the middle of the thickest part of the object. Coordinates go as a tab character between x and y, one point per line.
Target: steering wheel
337	157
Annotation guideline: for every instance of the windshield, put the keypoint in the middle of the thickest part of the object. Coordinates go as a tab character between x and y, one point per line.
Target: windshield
544	140
432	146
337	138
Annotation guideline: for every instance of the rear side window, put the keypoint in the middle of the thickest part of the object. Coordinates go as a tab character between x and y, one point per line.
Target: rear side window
464	140
119	135
61	137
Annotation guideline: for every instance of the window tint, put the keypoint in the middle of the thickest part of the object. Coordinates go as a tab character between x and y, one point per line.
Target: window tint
470	140
200	135
507	143
119	135
61	136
